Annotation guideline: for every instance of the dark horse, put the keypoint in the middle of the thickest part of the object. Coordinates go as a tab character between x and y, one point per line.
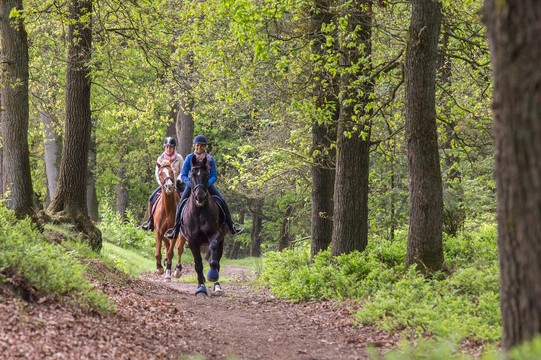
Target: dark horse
164	218
204	226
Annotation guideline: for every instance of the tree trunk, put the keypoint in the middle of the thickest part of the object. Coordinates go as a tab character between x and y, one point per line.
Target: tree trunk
350	231
515	44
323	133
285	236
52	144
121	192
91	195
69	203
426	198
14	91
185	123
453	211
257	225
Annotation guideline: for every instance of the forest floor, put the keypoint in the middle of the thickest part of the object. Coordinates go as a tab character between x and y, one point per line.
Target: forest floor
165	320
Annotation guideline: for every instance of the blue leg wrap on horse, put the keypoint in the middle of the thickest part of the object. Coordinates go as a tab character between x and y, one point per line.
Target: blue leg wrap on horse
213	275
202	289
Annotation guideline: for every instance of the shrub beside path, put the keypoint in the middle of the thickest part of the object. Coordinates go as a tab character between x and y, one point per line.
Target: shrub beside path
159	320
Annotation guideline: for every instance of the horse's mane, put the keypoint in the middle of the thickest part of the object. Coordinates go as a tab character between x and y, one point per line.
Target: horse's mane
199	159
165	163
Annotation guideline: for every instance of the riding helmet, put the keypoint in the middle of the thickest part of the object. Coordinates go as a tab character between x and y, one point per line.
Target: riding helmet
170	141
200	139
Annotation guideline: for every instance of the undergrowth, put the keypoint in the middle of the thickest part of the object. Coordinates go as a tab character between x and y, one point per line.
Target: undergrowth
462	305
34	266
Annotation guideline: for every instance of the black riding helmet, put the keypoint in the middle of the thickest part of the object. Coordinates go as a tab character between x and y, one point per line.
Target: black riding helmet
200	139
170	141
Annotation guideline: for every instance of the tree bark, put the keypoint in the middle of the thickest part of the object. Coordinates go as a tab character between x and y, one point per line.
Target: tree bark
453	211
69	203
350	230
257	225
121	192
92	204
16	176
185	122
515	44
284	238
323	133
426	195
52	144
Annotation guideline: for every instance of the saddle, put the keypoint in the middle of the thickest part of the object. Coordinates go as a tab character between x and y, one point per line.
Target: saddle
216	199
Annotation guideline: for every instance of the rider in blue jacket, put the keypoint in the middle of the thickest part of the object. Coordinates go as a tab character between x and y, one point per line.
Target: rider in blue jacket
200	148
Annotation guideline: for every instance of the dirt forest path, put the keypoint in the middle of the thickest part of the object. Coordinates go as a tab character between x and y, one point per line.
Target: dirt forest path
165	320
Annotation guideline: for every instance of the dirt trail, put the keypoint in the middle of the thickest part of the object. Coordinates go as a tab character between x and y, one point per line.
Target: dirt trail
160	320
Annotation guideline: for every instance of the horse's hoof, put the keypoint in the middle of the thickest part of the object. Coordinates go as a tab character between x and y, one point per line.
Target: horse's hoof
201	290
218	289
176	273
167	276
159	271
213	275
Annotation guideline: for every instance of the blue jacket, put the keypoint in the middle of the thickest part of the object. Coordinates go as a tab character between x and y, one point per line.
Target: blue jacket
187	167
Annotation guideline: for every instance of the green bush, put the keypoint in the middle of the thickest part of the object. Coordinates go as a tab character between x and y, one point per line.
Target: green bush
45	267
462	305
123	232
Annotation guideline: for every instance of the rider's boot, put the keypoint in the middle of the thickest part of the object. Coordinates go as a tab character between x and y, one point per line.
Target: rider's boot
172	233
234	228
147	225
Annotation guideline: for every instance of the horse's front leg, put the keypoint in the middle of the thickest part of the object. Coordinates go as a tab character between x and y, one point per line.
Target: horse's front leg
216	249
158	254
181	242
198	265
169	251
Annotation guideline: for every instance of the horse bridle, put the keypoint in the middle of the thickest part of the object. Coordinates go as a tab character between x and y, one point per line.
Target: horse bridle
167	177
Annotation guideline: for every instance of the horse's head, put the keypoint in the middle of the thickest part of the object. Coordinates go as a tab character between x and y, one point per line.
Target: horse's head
199	178
167	177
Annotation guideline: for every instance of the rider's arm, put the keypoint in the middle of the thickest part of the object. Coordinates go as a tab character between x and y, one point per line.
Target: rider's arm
179	163
185	174
156	170
213	174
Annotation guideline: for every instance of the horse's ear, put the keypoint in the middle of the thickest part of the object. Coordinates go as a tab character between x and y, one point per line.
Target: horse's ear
158	164
194	160
204	160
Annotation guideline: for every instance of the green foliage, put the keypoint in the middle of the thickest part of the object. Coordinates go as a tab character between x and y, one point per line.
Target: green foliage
527	350
123	231
129	261
462	305
46	267
422	349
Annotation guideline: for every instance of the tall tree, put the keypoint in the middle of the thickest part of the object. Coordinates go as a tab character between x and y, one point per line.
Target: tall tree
425	246
16	176
323	132
52	147
515	45
350	230
69	204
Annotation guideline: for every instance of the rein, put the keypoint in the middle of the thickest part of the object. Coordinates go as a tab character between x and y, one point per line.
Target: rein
167	177
199	186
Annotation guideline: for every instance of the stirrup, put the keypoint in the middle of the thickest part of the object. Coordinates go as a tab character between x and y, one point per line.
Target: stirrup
170	234
146	226
236	229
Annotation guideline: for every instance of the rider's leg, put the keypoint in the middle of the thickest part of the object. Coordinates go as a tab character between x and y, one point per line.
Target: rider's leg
149	223
176	227
214	191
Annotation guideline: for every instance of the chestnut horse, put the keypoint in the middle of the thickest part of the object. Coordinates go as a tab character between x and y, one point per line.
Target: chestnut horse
164	218
203	226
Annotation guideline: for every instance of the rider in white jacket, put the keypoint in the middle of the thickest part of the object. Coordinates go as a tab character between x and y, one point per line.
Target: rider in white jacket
177	162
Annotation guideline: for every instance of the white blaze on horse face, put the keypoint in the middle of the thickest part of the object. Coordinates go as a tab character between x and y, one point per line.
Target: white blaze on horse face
168	184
